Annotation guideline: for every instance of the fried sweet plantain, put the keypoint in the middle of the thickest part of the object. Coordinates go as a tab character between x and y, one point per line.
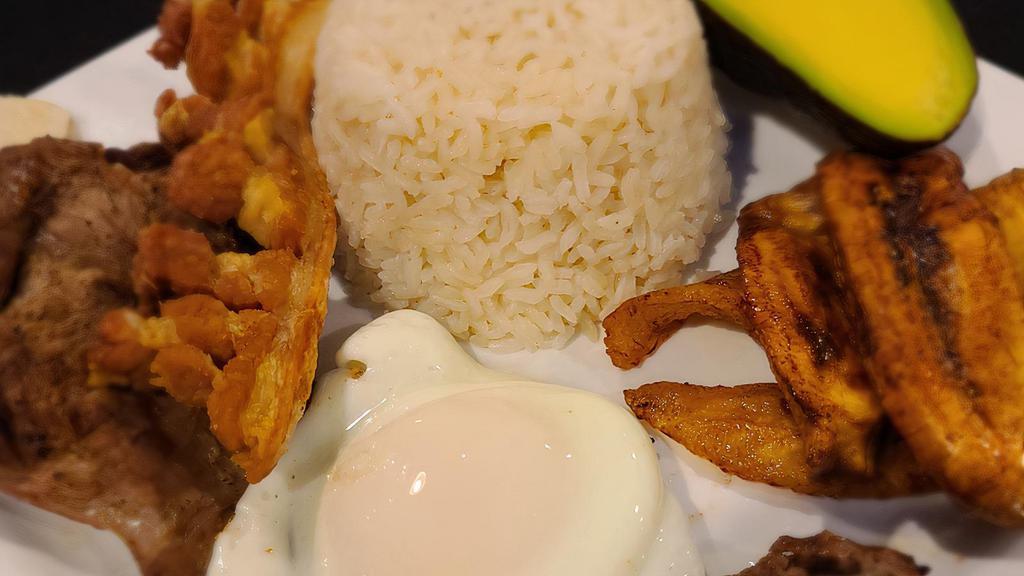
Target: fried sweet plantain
235	331
799	316
883	275
1004	197
639	325
943	318
749	431
786	295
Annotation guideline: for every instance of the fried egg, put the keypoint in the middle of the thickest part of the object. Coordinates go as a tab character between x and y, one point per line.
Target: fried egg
415	459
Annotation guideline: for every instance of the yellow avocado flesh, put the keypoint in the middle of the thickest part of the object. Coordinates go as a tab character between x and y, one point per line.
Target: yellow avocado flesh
902	67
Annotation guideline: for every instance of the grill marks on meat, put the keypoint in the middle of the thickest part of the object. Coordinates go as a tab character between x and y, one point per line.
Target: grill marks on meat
828	554
133	461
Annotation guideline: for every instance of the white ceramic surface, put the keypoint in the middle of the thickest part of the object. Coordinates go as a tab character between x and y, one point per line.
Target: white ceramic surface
734	522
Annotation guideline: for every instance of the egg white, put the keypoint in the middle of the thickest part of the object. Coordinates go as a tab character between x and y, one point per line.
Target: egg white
611	517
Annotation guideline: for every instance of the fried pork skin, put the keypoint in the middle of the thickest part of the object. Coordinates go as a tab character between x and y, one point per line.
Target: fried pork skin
244	162
943	317
750	432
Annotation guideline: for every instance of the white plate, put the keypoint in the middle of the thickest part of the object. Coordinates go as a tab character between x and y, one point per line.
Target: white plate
734	521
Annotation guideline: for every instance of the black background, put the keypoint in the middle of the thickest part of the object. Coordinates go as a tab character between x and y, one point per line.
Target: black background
42	39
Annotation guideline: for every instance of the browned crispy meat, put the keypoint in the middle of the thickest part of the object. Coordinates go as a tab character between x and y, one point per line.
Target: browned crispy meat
184	120
829	555
207	179
202	34
244	162
131	460
172	260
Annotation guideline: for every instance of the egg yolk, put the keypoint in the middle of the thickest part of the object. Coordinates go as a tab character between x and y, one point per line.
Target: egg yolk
565	485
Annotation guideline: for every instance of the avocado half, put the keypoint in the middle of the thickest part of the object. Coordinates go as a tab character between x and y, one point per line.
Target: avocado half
892	76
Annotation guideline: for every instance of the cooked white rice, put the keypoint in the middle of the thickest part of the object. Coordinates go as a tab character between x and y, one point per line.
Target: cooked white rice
518	168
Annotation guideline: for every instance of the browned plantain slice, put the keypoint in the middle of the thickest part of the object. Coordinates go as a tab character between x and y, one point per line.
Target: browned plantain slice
639	325
749	432
1004	197
944	319
798	315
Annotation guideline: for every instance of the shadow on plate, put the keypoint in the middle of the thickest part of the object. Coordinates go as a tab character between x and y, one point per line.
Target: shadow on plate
951	526
61	544
872	521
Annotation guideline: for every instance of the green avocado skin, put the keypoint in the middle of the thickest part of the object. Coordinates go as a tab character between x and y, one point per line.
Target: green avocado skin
751	66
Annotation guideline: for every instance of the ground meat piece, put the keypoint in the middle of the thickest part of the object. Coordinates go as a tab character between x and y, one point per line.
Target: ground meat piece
829	555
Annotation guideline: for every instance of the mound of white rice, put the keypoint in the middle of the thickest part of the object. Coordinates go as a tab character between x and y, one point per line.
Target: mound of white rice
518	168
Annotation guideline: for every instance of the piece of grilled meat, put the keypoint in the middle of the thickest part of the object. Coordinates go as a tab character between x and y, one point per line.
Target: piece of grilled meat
826	554
129	460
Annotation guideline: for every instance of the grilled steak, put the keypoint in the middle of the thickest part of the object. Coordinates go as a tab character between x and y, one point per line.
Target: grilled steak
831	555
127	459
